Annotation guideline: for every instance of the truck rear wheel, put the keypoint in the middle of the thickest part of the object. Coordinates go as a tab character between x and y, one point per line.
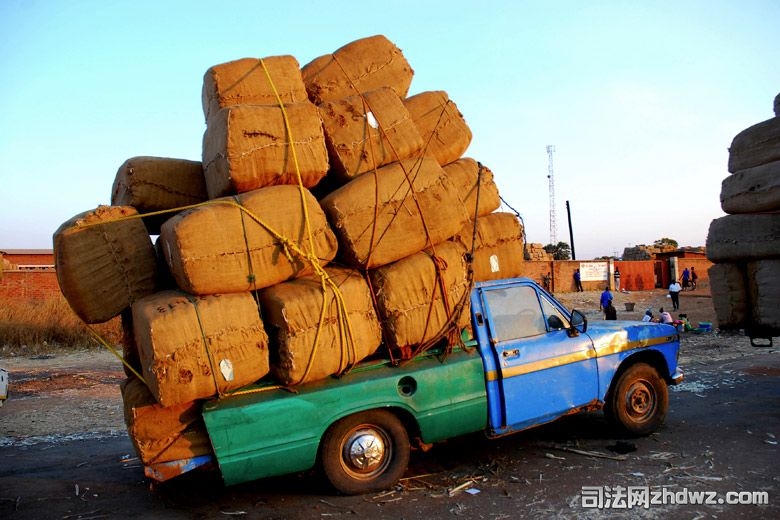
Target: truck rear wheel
639	400
365	452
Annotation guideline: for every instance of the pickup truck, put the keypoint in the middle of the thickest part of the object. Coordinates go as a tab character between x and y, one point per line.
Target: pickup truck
525	361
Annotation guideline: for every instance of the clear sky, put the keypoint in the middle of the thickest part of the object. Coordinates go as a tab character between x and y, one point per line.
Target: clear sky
640	99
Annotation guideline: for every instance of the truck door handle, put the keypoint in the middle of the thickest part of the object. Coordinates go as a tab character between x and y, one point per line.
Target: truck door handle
515	352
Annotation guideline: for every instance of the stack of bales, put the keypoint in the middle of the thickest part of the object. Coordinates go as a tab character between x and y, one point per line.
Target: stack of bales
254	276
745	244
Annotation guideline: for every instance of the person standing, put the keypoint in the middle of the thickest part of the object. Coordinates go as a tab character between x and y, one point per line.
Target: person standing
606	298
617	279
685	277
674	292
577	281
694	277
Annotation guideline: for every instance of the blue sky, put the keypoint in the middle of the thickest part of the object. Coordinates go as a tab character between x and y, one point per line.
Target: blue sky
640	99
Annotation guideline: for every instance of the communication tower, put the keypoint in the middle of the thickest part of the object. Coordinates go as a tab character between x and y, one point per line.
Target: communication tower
551	183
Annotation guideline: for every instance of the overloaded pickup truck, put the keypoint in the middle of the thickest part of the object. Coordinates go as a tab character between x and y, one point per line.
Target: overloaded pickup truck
525	361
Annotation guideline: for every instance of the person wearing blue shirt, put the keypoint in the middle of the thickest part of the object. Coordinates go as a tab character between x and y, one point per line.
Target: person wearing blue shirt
606	297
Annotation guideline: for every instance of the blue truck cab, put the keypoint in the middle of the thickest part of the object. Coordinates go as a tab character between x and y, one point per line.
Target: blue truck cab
526	361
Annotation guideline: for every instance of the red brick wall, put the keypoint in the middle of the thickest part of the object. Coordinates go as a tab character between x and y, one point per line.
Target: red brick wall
29	285
29	259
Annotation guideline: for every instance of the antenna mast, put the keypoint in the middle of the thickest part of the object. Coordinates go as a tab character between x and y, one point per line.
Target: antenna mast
551	182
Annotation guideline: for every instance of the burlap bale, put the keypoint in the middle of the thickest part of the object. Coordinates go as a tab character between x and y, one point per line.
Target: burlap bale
359	66
194	347
498	246
218	248
246	147
735	238
151	184
753	190
474	185
756	145
383	216
162	434
441	125
104	261
728	286
349	331
764	289
253	81
365	132
412	307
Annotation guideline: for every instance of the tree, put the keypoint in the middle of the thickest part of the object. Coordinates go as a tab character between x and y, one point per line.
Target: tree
661	242
560	251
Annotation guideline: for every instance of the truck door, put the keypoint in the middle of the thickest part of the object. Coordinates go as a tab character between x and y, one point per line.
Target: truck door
541	371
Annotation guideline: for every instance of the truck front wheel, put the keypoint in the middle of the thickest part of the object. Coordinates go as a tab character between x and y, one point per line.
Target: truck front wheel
365	452
639	400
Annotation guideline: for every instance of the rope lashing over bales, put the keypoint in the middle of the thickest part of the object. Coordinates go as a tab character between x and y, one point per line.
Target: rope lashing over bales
193	300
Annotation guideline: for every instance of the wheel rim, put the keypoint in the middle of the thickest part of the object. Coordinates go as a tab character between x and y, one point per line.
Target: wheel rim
640	401
366	452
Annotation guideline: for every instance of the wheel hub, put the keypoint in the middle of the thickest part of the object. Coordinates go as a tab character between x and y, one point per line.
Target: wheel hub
366	450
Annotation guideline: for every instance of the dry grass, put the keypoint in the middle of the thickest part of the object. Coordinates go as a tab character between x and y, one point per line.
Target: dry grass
38	327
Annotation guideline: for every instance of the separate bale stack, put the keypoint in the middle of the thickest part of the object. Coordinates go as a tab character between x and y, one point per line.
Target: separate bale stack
105	261
745	244
359	66
316	331
246	147
475	185
221	248
444	131
498	246
417	297
252	81
198	347
366	131
399	210
159	433
153	184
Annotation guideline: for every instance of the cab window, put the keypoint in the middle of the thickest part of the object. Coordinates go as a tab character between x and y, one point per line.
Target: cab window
515	313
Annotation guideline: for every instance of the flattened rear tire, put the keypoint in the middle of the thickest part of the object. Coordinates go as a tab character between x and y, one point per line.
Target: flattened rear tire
639	400
365	452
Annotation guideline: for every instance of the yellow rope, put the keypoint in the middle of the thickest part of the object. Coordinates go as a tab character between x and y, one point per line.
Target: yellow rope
103	342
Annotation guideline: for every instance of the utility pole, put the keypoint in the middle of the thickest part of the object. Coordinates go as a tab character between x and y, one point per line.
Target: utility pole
551	183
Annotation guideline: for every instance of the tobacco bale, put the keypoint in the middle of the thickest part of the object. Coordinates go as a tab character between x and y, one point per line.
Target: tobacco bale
764	290
365	132
359	66
441	125
756	145
159	433
472	185
753	190
194	347
246	147
400	209
735	238
349	331
220	248
498	246
728	286
105	261
253	81
151	184
415	299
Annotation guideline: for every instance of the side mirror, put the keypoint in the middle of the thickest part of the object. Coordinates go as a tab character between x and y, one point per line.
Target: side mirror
579	323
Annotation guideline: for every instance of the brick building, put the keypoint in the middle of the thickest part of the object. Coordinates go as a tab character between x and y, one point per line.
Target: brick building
28	274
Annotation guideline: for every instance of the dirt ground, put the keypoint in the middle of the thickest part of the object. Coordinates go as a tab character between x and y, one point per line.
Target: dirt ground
65	451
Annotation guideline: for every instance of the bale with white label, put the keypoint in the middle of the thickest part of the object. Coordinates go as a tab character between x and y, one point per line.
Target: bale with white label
497	244
309	343
246	147
401	209
253	81
221	247
195	347
441	125
417	296
359	66
105	261
162	433
366	132
152	184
